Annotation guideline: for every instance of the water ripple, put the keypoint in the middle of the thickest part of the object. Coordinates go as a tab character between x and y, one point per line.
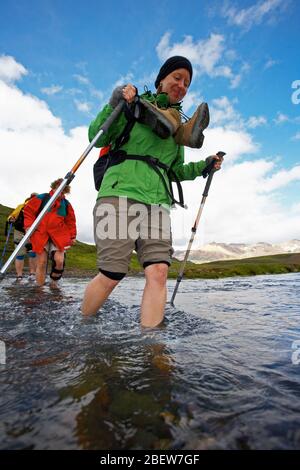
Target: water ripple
217	375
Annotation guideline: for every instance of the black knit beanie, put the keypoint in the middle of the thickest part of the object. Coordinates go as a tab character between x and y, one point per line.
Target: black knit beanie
173	63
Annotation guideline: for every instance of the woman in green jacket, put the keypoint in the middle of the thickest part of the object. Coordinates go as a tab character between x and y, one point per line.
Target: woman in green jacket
133	203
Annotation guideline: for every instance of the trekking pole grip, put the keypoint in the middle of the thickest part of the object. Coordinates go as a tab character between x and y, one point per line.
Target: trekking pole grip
208	182
211	171
113	116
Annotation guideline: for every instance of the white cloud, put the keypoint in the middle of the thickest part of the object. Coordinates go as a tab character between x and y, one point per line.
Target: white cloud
222	112
82	106
281	179
280	118
96	93
296	136
270	63
123	80
10	69
206	55
237	79
74	91
51	90
253	15
35	150
83	80
256	121
237	210
148	79
234	142
21	113
191	100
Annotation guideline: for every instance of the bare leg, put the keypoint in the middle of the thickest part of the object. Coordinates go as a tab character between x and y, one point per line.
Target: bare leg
40	274
59	257
19	265
96	293
32	265
155	295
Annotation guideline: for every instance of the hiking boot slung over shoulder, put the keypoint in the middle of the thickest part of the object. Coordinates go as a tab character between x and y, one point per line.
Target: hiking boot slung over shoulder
163	122
190	133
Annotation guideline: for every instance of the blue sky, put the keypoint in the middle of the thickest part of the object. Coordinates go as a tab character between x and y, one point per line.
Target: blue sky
66	57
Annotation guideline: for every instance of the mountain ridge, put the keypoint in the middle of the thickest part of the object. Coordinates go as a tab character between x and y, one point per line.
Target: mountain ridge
234	251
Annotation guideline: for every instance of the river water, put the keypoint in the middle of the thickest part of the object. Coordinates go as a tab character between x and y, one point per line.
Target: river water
221	373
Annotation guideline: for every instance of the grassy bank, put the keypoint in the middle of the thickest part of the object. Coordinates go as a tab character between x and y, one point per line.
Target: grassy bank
81	260
276	264
4	212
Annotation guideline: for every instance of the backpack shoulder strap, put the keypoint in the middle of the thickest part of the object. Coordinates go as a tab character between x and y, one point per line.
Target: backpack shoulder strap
131	114
45	198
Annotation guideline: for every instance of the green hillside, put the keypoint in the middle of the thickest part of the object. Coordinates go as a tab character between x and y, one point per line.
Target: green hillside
4	212
81	260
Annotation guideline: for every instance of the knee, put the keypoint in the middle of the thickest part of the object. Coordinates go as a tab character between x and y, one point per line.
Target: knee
109	279
59	259
41	261
157	274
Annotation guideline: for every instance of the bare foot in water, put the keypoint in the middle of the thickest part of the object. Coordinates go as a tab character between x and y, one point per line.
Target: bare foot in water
54	285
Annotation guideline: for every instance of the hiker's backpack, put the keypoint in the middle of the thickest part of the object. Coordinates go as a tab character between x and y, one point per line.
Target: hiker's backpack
100	166
104	159
19	222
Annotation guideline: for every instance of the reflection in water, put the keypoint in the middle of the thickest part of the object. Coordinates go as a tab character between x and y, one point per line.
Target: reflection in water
129	400
217	375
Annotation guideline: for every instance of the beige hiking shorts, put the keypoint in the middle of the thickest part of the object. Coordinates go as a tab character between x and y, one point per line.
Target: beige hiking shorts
122	225
18	236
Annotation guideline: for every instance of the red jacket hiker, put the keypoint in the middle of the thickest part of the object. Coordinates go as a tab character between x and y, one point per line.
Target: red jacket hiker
58	224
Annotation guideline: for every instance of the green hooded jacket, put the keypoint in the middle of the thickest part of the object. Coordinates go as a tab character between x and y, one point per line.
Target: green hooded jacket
135	179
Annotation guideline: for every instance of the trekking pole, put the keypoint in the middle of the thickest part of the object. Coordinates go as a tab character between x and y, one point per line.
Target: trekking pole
6	242
210	171
67	180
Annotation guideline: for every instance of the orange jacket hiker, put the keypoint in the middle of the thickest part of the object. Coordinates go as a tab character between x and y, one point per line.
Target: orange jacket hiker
58	224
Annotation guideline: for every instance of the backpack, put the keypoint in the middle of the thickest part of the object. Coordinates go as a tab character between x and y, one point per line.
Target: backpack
103	161
19	222
100	166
